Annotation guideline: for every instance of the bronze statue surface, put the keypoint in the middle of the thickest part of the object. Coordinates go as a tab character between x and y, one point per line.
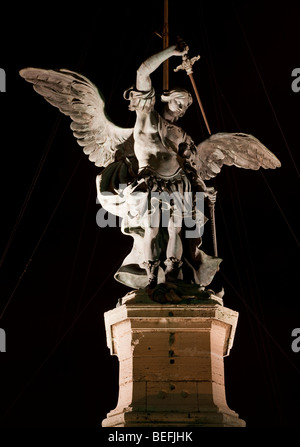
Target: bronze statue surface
154	174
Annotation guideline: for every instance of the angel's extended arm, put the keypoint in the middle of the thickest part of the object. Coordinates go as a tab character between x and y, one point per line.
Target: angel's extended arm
143	80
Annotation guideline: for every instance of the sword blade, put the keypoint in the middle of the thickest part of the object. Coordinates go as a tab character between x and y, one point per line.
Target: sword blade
213	227
199	101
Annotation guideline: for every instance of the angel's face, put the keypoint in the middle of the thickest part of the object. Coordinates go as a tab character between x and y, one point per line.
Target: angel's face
177	102
178	106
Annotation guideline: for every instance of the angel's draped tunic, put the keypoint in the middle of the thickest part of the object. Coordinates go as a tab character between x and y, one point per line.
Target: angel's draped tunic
134	194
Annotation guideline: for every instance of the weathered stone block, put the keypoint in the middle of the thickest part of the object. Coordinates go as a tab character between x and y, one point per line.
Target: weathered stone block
171	364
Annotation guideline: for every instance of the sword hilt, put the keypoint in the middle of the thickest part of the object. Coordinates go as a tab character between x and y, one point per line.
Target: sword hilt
187	64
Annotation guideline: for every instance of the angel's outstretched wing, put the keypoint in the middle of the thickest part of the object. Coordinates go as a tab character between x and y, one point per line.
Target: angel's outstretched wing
78	98
238	149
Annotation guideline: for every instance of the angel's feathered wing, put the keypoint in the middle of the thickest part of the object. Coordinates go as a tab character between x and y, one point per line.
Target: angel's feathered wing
77	97
238	149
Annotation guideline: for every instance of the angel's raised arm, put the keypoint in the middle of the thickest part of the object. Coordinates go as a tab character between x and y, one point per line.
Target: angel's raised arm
143	80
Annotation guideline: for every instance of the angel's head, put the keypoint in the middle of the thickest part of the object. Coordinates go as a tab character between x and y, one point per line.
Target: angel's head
177	102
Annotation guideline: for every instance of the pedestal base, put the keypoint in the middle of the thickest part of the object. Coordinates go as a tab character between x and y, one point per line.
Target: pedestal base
167	419
171	364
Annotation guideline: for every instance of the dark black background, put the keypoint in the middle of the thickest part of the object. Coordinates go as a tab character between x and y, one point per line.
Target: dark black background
58	265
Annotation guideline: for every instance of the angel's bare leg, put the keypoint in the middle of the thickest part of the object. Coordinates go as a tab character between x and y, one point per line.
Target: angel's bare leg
151	251
151	248
174	251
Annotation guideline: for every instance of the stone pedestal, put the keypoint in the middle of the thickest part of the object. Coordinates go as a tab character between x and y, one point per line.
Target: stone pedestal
171	364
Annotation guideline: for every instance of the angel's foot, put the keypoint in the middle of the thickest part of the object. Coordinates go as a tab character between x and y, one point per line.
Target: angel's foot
151	268
173	269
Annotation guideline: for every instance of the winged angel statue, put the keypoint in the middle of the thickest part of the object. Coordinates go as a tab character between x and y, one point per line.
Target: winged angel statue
153	174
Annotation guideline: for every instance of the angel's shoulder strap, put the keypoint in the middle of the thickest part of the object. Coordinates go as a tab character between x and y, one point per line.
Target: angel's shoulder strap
142	101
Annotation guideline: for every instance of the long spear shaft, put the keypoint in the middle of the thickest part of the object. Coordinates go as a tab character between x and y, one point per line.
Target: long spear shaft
165	45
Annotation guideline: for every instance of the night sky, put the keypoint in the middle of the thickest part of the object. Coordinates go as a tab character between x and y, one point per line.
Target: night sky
57	265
